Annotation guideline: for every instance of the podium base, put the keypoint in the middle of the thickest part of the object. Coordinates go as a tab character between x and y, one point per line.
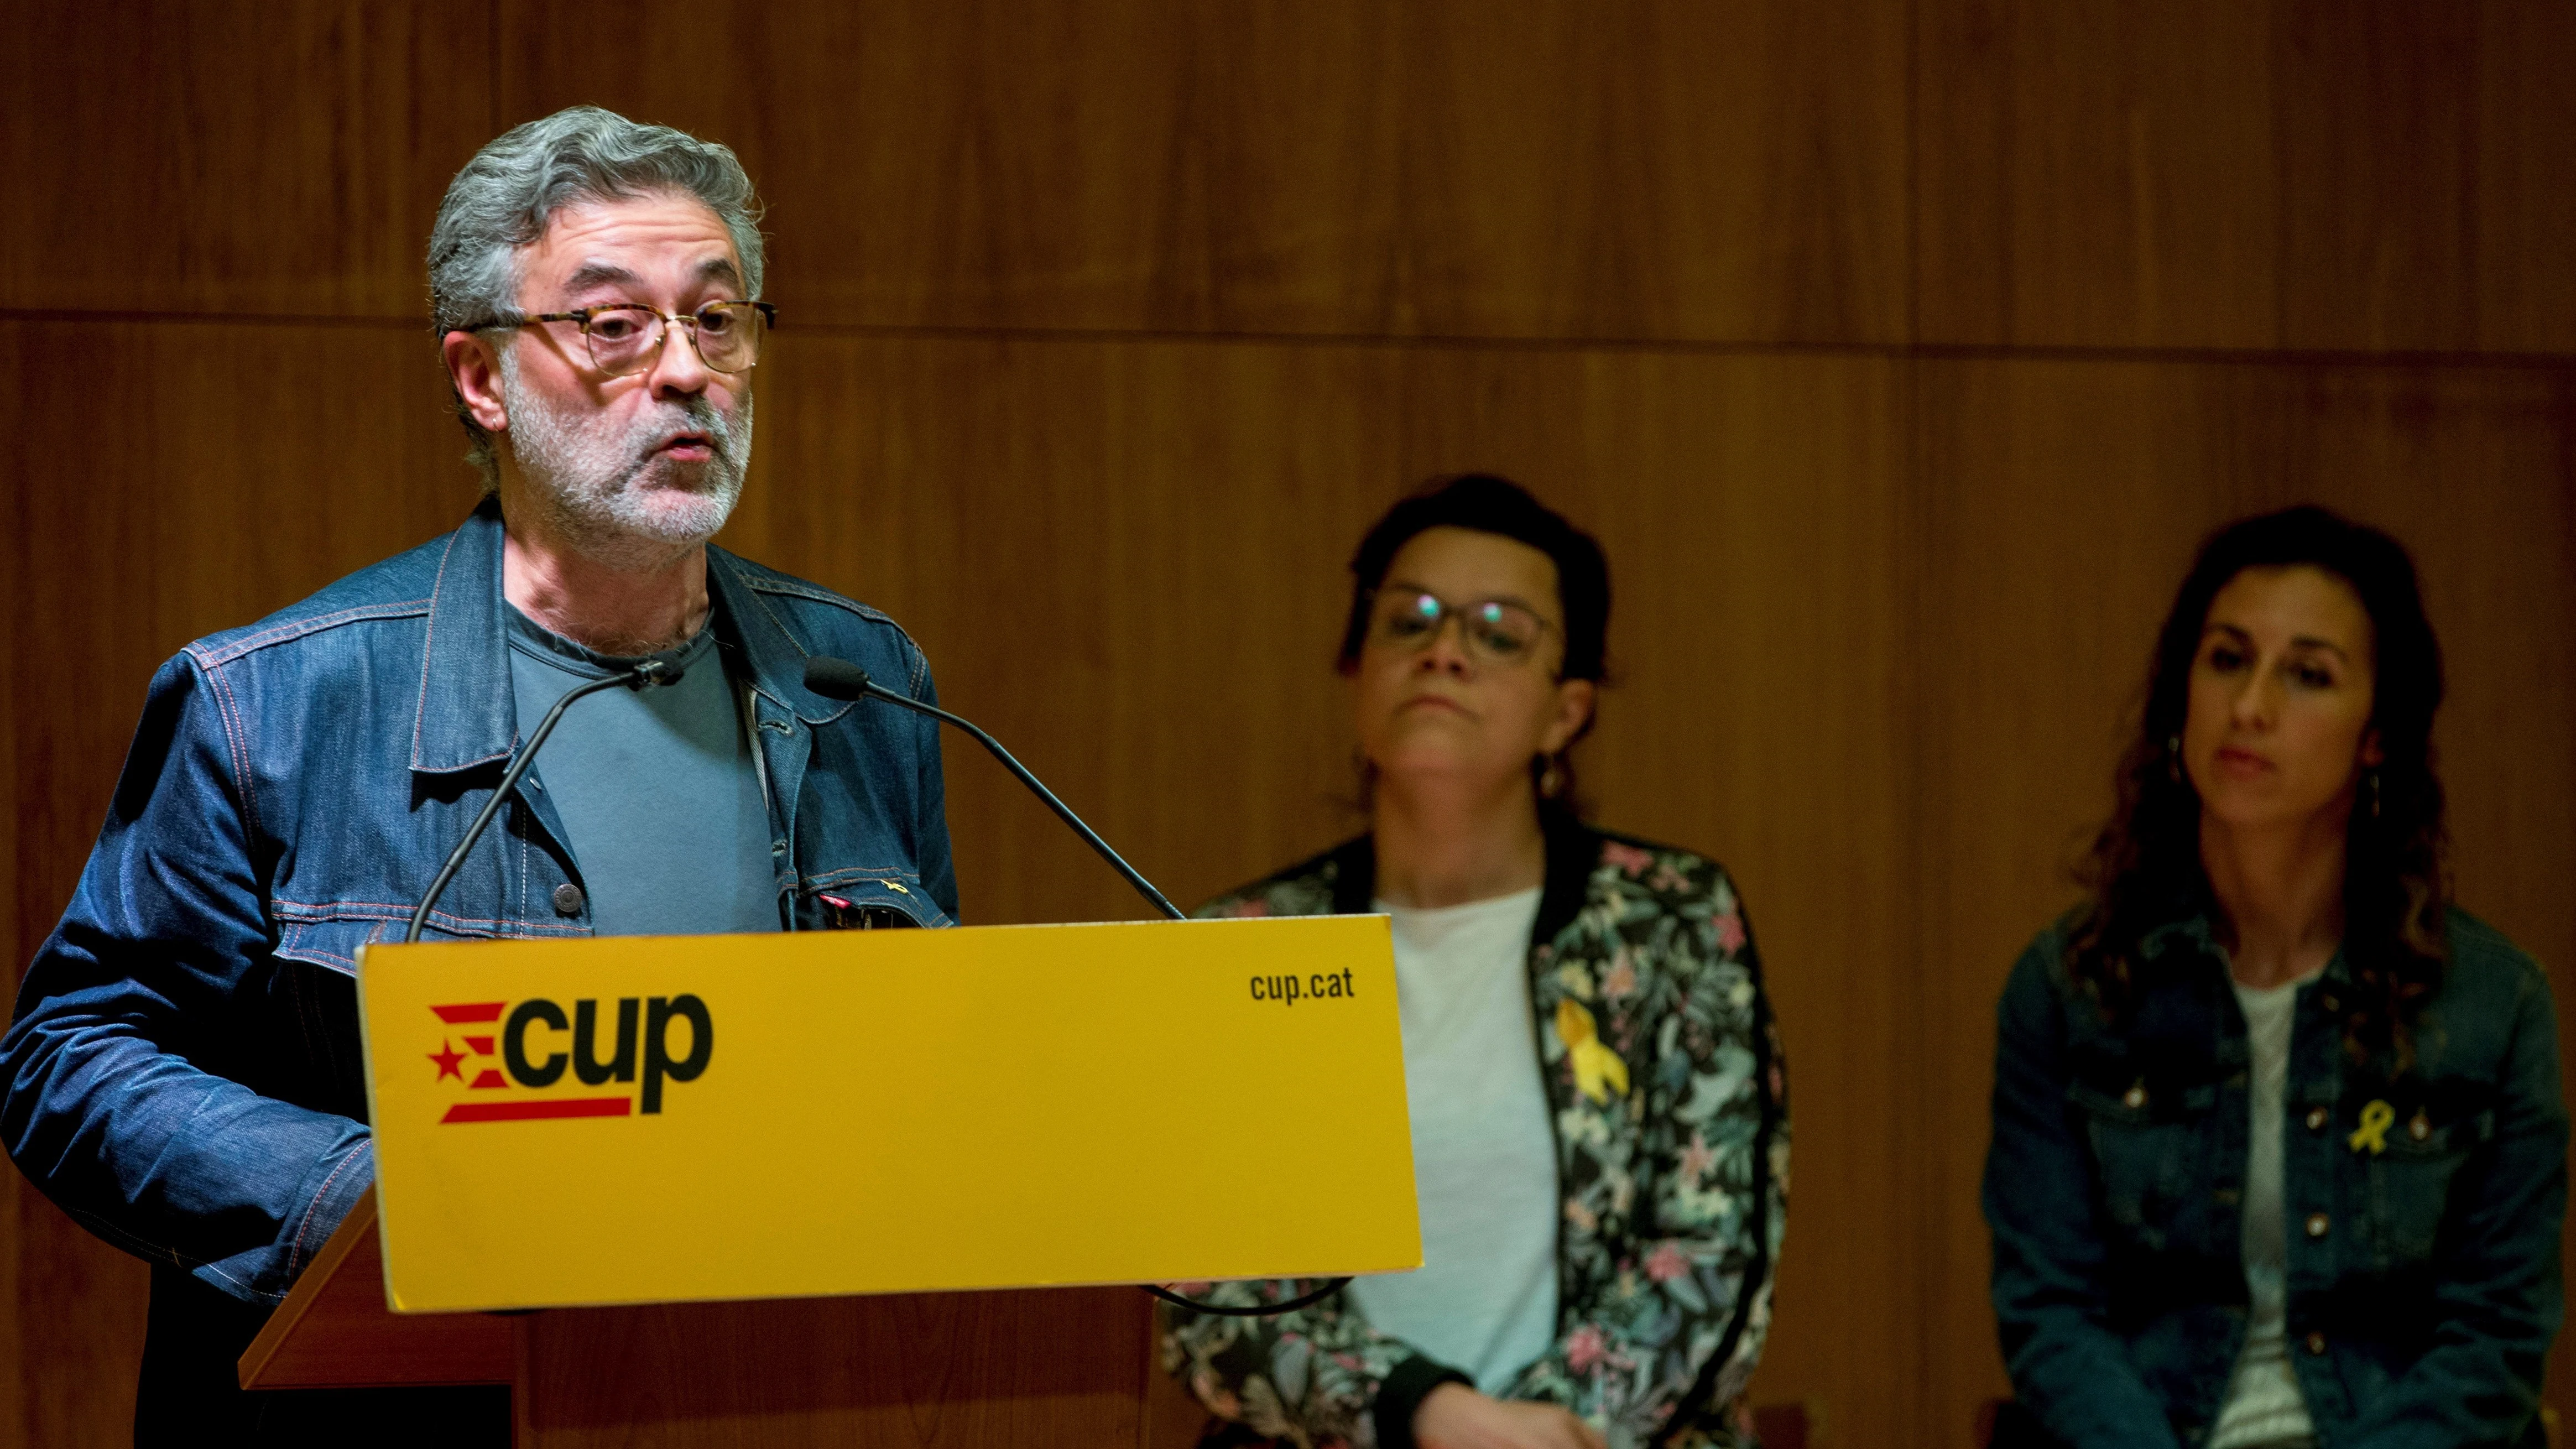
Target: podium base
1073	1367
1045	1366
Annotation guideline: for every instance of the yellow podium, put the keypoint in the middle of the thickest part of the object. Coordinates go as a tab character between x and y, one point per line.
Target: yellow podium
951	1117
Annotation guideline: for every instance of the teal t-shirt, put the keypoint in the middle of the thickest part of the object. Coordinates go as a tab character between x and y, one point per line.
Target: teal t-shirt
657	788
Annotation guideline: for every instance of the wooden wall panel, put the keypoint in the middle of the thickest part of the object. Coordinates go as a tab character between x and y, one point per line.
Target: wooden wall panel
2378	105
1097	543
221	472
2381	177
2526	198
237	156
1728	173
2064	502
2094	173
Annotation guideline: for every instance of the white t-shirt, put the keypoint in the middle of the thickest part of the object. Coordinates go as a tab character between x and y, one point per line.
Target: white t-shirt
2263	1403
1484	1156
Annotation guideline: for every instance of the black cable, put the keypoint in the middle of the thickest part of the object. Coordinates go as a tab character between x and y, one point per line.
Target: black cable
1331	1287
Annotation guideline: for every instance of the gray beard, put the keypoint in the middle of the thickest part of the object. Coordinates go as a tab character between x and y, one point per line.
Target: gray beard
603	489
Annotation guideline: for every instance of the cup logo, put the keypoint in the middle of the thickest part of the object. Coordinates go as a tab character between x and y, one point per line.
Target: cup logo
522	1052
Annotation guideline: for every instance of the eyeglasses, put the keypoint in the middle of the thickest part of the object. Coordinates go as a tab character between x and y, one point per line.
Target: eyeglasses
1492	631
626	337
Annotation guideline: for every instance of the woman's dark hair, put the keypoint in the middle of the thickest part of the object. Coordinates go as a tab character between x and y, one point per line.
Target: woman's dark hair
2144	867
1496	505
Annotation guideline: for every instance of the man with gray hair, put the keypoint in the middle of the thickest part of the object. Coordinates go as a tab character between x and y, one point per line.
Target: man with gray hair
183	1068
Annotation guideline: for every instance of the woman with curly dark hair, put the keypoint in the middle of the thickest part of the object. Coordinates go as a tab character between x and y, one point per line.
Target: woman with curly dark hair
2279	1151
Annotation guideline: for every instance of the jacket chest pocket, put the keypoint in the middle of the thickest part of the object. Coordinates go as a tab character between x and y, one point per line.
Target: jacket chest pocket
2409	1183
2146	1154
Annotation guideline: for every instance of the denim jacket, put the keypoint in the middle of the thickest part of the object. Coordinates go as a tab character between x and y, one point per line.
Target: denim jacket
183	1071
2424	1256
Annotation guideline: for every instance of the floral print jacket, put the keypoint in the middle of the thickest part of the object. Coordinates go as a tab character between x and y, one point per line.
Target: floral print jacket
1665	1082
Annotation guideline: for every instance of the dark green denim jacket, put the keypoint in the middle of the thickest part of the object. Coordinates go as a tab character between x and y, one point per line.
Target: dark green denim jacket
2423	1275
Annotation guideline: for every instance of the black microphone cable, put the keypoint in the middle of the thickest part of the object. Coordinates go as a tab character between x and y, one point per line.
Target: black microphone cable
650	671
843	680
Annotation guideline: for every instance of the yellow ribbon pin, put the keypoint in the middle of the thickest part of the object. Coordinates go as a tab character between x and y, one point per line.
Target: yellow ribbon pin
2373	1133
1594	1064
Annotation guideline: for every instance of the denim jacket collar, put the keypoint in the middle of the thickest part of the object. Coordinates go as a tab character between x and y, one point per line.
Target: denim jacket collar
2194	934
466	714
772	659
2190	932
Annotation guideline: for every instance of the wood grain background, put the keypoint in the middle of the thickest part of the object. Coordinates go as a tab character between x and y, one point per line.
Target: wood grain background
1898	350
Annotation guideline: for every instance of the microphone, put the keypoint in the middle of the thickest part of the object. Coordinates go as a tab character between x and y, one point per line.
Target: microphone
840	679
650	671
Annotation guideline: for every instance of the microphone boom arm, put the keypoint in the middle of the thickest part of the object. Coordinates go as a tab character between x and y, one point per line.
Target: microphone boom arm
650	671
873	690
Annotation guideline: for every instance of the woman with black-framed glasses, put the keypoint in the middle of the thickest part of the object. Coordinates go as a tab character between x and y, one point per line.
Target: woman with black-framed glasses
1599	1123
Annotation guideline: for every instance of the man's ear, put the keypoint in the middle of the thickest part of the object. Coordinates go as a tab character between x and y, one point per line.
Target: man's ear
475	368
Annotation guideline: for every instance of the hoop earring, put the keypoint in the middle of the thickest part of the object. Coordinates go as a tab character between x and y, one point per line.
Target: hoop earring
2173	759
2374	794
1551	781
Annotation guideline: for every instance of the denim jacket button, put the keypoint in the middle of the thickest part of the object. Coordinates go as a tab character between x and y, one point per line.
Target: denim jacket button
2316	1119
2318	1223
567	899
